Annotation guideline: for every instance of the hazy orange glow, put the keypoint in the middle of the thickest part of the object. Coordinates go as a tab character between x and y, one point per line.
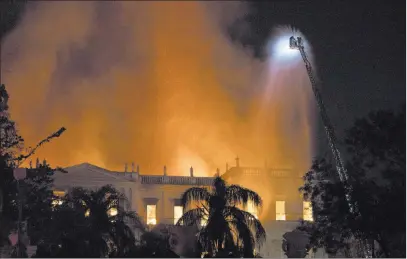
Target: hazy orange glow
157	83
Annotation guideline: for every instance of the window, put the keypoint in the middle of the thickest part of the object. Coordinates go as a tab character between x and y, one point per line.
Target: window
252	209
307	211
280	210
151	214
178	212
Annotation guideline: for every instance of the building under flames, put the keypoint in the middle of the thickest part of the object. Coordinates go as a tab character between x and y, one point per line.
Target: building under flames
156	198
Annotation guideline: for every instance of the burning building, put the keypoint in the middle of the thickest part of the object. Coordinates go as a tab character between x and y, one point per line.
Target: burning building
156	198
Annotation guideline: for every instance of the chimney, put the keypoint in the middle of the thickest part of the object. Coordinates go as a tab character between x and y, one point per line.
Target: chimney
165	170
237	162
125	169
132	167
44	162
31	164
137	169
191	171
217	172
227	167
37	163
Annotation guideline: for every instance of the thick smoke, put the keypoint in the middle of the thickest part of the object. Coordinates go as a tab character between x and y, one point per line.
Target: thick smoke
156	83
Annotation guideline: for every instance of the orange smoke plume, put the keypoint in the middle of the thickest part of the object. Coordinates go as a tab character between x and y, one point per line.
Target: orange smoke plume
157	83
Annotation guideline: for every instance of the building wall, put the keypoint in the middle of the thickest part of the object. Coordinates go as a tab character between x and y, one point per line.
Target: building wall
166	190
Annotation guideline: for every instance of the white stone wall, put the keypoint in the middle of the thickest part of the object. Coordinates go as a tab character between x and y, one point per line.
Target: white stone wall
89	176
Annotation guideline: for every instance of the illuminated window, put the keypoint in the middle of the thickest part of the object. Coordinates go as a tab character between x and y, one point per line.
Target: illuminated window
151	214
178	212
280	210
251	208
307	211
112	212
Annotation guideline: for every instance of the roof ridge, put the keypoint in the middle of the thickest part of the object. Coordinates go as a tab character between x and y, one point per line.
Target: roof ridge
103	171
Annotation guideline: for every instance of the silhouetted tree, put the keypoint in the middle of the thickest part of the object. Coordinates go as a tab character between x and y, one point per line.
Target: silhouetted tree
36	188
10	144
152	245
229	230
377	176
96	226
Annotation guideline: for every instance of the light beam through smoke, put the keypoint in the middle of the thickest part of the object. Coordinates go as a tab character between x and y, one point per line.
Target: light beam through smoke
156	83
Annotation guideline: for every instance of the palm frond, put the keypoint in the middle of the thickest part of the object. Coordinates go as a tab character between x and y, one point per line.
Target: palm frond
194	194
236	194
244	236
191	217
252	223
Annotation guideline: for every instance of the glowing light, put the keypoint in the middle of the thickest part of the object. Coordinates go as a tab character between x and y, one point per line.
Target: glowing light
59	193
279	49
252	209
112	212
204	221
87	213
307	211
282	49
151	215
280	210
57	202
178	211
187	158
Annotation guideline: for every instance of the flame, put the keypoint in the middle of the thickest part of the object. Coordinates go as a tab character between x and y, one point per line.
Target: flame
157	83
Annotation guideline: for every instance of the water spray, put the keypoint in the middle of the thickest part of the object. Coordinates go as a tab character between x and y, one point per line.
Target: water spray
297	44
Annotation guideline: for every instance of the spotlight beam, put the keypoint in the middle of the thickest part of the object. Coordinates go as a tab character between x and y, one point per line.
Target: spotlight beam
297	44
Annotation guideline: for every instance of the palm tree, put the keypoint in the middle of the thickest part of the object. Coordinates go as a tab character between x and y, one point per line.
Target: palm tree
228	229
97	224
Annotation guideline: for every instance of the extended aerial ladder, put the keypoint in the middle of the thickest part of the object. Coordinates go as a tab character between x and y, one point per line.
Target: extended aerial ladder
296	43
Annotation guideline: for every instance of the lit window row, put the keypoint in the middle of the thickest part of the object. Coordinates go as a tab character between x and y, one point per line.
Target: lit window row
306	210
151	213
280	212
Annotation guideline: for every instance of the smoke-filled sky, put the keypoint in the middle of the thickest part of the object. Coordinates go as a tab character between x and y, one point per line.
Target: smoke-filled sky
182	84
359	51
157	83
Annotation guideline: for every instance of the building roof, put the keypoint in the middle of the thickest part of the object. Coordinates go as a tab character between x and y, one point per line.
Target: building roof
88	174
85	174
178	180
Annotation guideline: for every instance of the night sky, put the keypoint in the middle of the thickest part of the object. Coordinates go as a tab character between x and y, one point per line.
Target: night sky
358	47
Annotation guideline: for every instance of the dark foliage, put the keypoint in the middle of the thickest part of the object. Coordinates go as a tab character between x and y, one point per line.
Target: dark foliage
152	245
36	194
229	231
377	176
90	224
